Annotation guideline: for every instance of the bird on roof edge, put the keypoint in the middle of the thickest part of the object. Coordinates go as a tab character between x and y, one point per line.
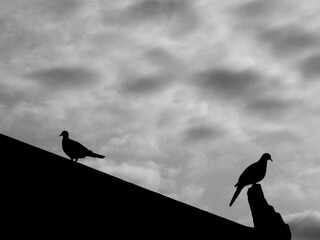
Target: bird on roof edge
251	175
74	149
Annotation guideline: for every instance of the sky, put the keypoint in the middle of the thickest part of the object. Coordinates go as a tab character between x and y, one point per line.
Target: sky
180	95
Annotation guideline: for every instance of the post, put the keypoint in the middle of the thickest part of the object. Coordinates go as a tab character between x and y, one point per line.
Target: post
268	224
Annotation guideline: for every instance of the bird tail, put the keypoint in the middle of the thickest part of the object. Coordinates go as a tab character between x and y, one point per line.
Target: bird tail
235	195
95	155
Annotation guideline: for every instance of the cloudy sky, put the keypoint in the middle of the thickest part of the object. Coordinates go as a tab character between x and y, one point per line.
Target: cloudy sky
180	95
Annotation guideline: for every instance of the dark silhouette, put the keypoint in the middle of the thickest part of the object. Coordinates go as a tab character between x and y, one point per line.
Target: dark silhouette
44	193
251	175
268	224
74	149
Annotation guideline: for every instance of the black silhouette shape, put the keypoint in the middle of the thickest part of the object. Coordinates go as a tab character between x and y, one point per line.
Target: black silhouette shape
251	175
268	224
74	149
51	194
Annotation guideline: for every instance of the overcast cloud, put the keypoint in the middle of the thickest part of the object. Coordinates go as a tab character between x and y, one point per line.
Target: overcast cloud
180	95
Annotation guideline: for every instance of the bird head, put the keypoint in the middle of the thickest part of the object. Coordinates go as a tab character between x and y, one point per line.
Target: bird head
64	134
266	157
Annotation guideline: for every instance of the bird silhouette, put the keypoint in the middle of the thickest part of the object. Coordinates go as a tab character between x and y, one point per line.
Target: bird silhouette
251	175
74	149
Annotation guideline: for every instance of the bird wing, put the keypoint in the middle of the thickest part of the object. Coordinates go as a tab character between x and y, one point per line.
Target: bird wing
76	149
246	178
249	175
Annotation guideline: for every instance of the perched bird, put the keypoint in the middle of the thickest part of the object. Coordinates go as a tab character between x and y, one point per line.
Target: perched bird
251	175
74	149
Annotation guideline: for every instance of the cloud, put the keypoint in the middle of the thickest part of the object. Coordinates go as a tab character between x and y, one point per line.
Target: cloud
178	13
259	96
144	85
160	70
229	83
271	107
17	38
163	59
277	138
192	193
43	8
254	10
146	174
59	8
288	40
32	122
146	10
64	77
310	67
202	132
277	25
154	9
38	32
10	98
304	225
301	190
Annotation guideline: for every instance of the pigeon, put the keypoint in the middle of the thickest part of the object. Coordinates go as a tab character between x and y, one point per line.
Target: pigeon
74	149
251	175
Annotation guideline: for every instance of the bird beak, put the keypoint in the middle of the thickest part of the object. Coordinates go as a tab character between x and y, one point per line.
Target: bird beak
271	160
60	135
